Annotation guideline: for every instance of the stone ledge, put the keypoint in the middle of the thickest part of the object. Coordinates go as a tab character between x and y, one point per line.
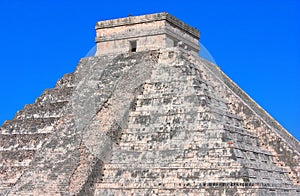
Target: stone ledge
148	18
276	127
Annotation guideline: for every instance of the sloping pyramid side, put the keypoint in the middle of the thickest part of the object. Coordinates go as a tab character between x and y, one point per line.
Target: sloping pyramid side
183	136
25	135
159	122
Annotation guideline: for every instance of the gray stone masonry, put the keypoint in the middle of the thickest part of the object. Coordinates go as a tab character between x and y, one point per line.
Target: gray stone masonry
147	32
150	122
157	122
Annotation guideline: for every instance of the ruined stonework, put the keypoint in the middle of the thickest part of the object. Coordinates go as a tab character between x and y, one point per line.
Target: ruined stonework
148	32
160	121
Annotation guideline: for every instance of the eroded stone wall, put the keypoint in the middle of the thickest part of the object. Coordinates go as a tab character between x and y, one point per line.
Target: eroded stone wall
151	32
156	122
183	137
22	138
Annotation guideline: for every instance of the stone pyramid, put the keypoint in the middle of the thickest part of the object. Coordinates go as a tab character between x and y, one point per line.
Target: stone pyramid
146	116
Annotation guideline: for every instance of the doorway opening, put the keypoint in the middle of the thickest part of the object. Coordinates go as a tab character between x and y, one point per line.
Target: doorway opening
133	45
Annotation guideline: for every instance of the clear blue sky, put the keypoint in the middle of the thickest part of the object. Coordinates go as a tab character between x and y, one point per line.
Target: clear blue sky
256	43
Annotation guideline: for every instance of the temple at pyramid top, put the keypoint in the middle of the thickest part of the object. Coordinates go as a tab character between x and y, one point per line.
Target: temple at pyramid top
147	32
162	121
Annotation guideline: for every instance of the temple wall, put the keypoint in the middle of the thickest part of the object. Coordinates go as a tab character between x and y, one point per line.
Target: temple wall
150	33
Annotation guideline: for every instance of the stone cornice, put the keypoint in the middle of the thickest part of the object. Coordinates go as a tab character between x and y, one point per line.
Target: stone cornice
131	20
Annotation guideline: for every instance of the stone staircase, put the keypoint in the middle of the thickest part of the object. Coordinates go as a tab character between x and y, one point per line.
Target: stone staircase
182	137
155	122
23	136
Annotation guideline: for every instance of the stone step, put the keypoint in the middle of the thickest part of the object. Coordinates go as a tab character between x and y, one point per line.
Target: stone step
30	125
10	175
195	185
250	148
16	158
41	110
262	166
240	130
56	95
182	117
171	100
66	80
21	141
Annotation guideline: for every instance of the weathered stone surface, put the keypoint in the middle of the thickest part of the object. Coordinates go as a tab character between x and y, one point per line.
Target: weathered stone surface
142	33
22	137
162	122
182	137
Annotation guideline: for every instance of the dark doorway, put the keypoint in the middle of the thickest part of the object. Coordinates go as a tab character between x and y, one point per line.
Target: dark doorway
133	46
